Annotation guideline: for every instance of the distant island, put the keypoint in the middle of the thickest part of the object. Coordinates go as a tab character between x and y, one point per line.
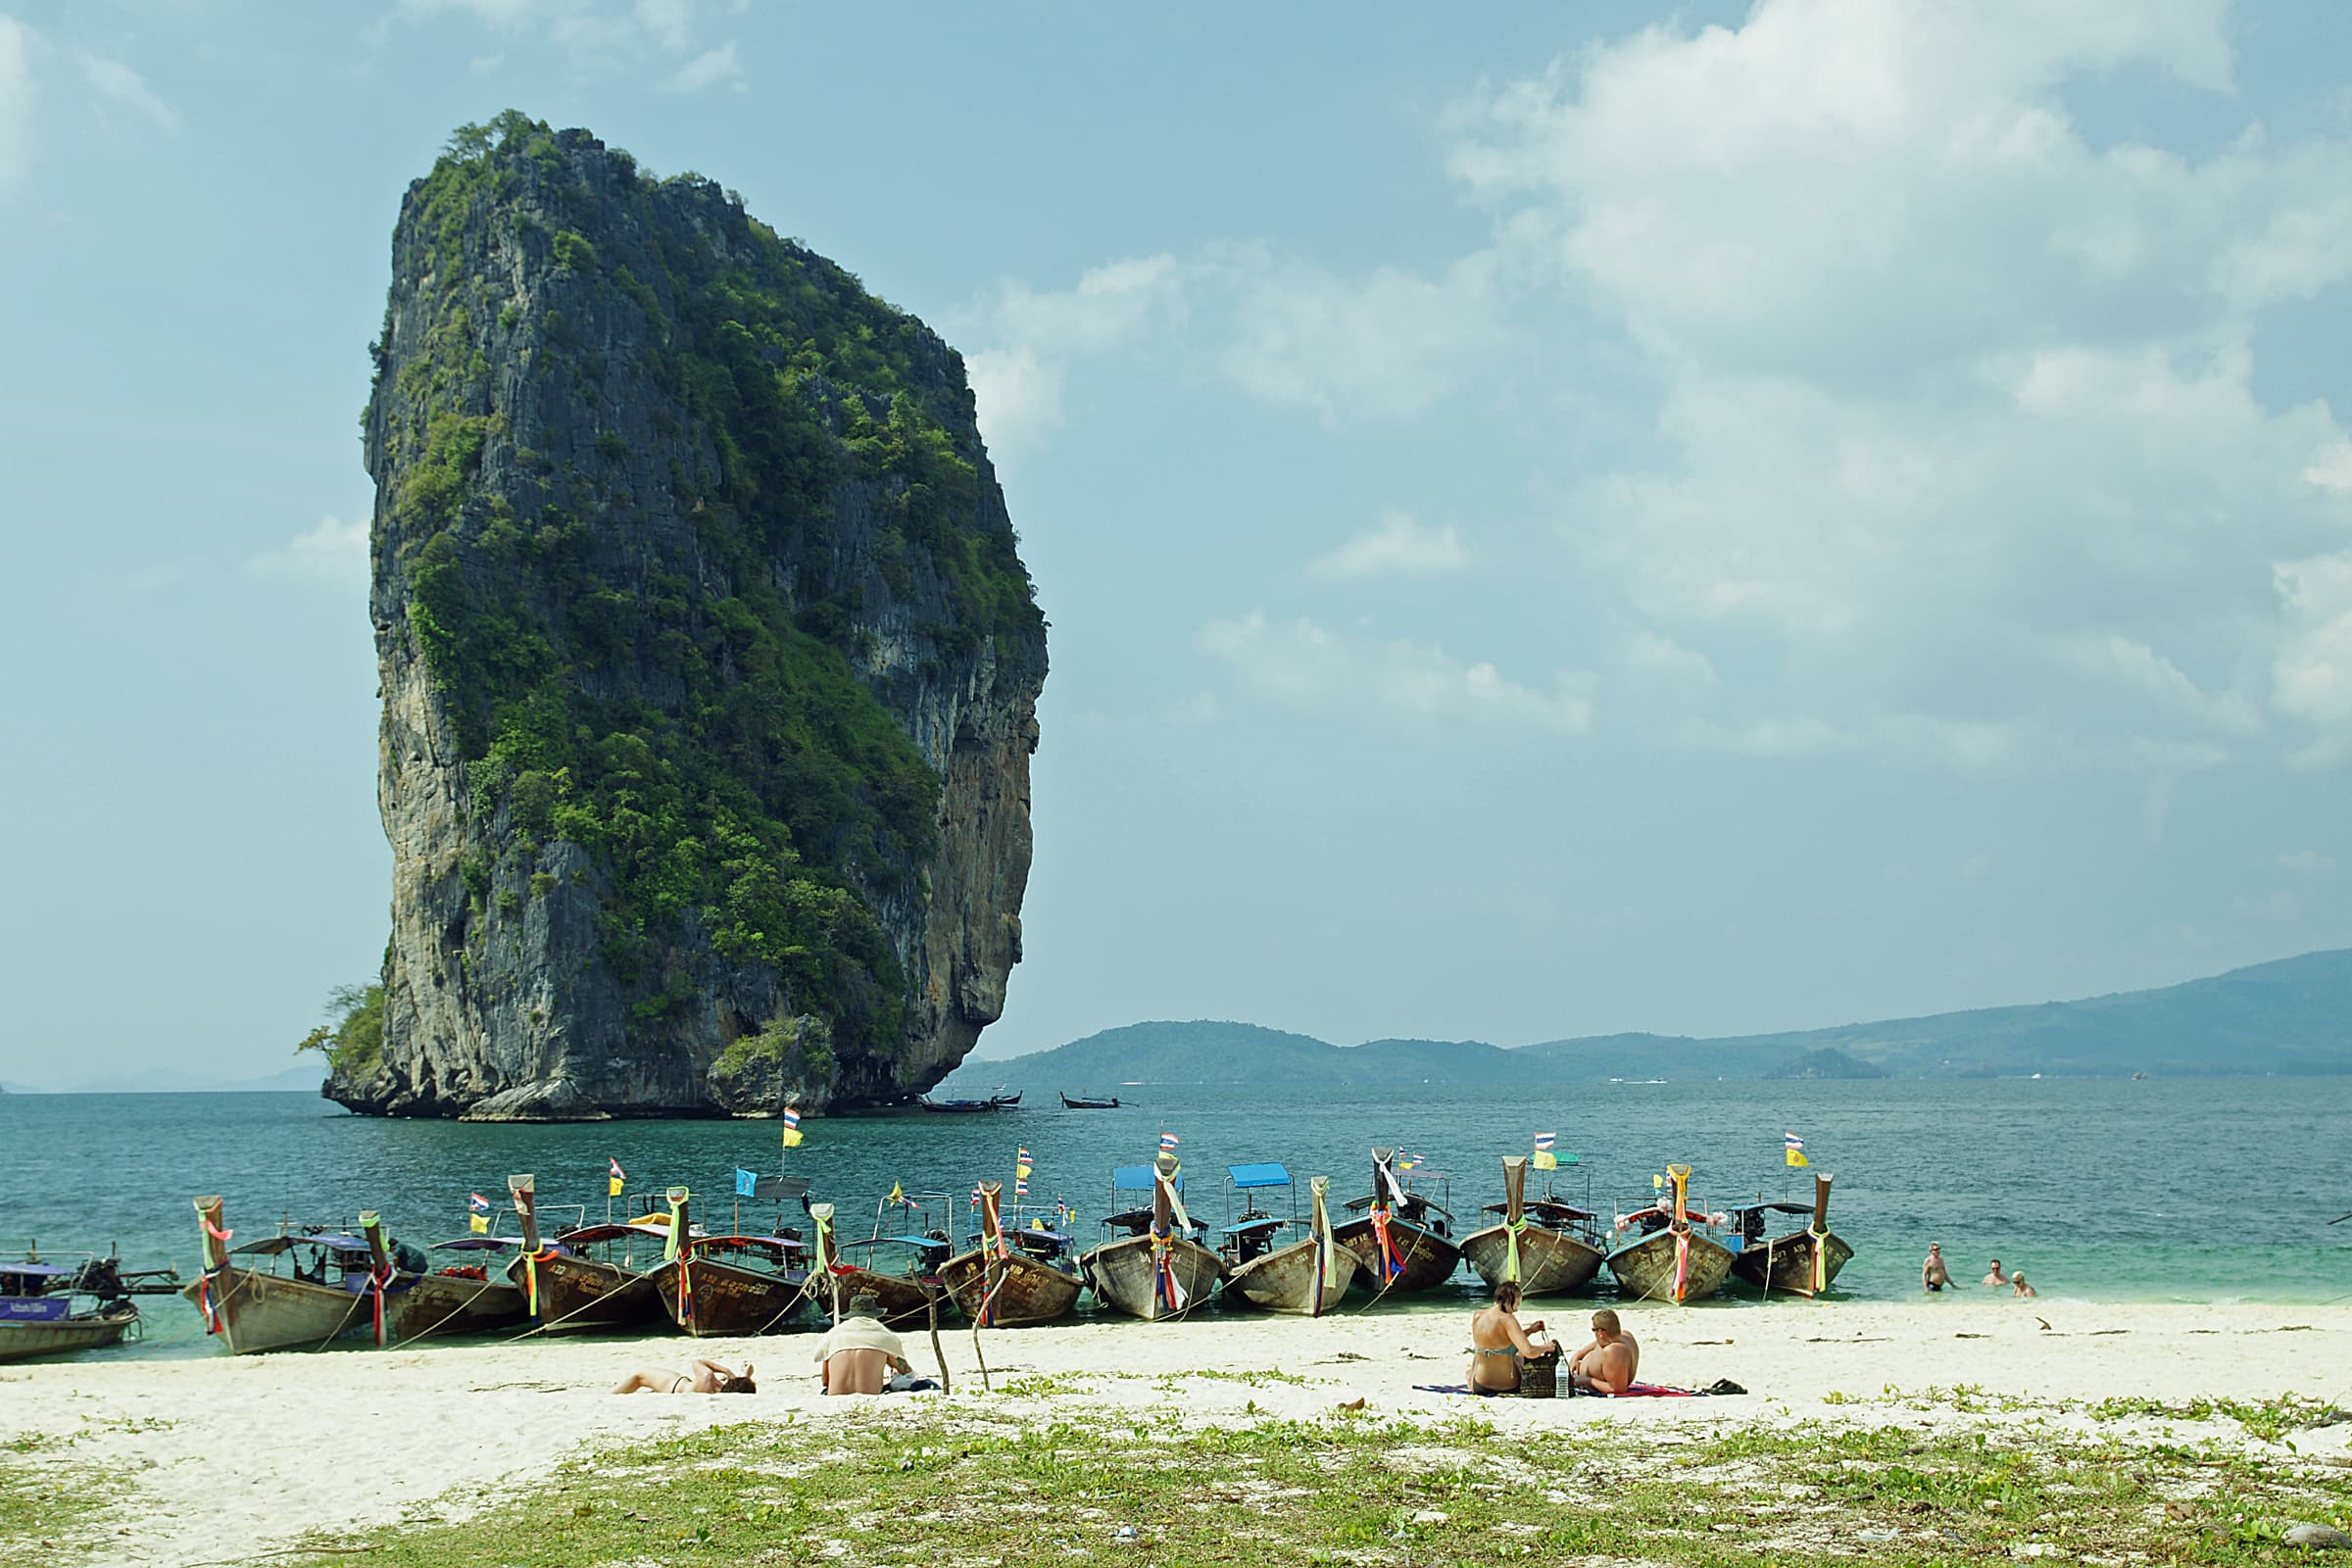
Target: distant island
2291	1017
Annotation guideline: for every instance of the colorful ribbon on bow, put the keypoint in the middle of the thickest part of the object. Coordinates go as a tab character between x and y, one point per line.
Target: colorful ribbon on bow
1392	1260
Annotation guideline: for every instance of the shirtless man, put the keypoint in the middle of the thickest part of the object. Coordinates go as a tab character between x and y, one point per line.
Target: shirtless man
1933	1275
1498	1342
1997	1277
858	1355
707	1377
1606	1365
2021	1288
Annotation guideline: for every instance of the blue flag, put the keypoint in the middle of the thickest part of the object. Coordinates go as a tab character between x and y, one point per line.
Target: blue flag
746	1183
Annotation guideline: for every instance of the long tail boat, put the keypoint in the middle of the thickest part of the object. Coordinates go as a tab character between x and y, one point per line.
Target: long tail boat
1308	1276
51	1308
1011	1278
1802	1262
1401	1240
296	1292
968	1108
1673	1262
729	1286
577	1283
899	1271
455	1300
1159	1271
1545	1247
1070	1102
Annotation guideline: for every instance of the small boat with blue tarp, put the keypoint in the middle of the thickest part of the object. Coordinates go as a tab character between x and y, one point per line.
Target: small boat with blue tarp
1308	1276
901	1270
1009	1275
52	1307
1157	1270
1546	1246
1402	1240
298	1291
1801	1262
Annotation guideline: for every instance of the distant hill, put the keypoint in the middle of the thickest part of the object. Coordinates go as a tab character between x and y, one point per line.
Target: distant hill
2290	1017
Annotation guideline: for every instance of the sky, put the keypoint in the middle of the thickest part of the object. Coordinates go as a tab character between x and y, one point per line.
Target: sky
1704	519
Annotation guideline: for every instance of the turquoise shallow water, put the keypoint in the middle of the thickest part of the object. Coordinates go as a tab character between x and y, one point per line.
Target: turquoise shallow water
2159	1190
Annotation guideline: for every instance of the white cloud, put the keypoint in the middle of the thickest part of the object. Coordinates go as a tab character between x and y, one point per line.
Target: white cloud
1399	547
706	69
119	84
335	553
2307	861
504	15
1386	346
669	22
1975	867
16	100
1017	398
1303	665
1032	336
1962	451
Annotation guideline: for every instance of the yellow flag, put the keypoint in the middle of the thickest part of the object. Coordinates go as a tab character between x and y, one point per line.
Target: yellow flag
1546	1161
792	1138
1657	1184
481	1223
613	1187
897	1196
1022	1172
1797	1159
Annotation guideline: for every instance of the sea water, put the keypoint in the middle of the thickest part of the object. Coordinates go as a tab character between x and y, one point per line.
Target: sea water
2102	1190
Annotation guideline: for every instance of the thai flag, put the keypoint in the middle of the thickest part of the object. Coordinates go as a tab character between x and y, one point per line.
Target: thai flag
1020	1187
1168	1143
975	1194
618	1174
1022	1156
792	1115
1544	1141
480	1205
1793	1143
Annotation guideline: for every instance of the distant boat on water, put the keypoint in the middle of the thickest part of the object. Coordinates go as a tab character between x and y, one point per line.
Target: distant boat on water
969	1107
1070	1102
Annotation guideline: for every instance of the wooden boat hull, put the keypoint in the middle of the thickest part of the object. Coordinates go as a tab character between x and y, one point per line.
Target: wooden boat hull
447	1304
1287	1280
1650	1269
1785	1263
580	1293
258	1311
1032	1292
90	1331
1429	1258
1550	1262
728	1300
904	1301
1124	1277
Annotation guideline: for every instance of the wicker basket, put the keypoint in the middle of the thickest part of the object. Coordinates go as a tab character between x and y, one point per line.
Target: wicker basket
1540	1377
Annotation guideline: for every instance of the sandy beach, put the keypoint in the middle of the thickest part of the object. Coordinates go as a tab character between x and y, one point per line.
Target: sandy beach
235	1454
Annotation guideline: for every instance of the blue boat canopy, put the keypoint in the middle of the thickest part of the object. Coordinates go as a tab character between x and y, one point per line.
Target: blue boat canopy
47	1270
1267	1173
1138	1179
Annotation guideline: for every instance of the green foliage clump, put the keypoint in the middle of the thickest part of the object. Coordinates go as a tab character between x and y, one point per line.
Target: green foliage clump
785	1042
687	712
354	1043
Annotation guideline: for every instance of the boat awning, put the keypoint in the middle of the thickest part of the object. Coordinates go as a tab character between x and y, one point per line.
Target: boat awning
1265	1173
922	1244
271	1246
50	1271
1264	1222
1138	1179
477	1244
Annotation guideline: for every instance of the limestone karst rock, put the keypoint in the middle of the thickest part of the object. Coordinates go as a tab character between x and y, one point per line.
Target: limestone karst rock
709	668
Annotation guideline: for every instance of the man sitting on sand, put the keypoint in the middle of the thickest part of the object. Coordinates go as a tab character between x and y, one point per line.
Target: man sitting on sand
858	1355
1606	1365
1933	1275
2022	1288
707	1377
1997	1277
1497	1340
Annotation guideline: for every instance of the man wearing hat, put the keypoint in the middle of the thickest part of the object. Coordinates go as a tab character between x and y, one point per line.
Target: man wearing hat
858	1355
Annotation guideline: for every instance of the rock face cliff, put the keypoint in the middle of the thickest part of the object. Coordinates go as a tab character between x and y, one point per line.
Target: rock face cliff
710	668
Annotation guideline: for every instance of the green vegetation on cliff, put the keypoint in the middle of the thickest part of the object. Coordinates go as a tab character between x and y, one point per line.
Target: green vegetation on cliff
647	644
354	1043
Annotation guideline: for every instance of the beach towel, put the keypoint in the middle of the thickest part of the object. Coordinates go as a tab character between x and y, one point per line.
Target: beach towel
859	1334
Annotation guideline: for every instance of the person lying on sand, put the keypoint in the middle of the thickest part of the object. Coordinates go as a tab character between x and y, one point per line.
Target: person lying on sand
1997	1277
1606	1365
1932	1274
2020	1287
707	1377
1497	1340
858	1355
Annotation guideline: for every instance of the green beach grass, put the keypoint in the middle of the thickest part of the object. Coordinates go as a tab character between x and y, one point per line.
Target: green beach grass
957	1484
54	1505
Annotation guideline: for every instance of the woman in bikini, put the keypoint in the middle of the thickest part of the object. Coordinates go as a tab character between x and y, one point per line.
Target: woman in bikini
707	1377
1497	1340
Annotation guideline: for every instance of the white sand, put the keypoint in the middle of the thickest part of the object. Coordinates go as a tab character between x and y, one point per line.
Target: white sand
235	1454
